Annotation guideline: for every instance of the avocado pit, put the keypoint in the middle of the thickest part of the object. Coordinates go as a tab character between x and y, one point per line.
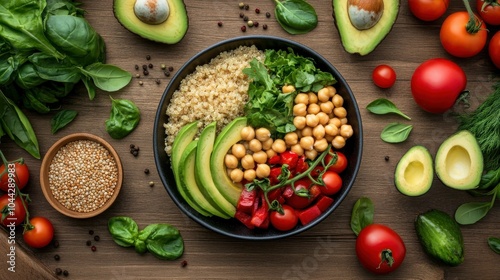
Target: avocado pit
152	11
364	14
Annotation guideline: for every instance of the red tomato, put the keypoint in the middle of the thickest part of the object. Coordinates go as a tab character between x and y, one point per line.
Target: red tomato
13	212
286	221
340	165
384	76
436	84
489	11
297	201
494	49
15	171
41	234
428	10
457	40
377	246
333	183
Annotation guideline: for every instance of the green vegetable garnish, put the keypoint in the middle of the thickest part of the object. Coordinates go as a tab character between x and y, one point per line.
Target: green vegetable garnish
61	119
296	16
124	118
396	132
383	106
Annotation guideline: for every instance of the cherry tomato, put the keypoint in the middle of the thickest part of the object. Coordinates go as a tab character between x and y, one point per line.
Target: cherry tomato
384	76
41	234
377	245
297	201
428	10
436	84
457	40
494	49
16	170
340	165
489	11
333	183
286	221
12	213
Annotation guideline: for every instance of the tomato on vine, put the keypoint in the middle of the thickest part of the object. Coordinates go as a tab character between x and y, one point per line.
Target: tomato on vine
12	210
17	171
340	164
489	11
38	232
333	183
428	10
494	49
284	220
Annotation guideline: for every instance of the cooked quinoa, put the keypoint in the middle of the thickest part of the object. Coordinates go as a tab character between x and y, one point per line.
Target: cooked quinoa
216	91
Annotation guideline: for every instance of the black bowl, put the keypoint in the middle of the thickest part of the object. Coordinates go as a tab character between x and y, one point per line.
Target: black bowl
233	228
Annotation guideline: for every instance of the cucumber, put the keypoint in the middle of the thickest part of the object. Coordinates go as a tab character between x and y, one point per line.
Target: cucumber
440	236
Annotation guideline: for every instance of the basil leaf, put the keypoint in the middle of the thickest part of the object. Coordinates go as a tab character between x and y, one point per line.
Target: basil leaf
396	132
123	230
61	119
471	212
362	214
296	16
383	106
494	244
163	241
124	118
107	77
52	69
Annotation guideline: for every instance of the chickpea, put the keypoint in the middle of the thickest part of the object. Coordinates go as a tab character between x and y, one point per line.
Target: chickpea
300	109
279	146
331	129
267	145
247	133
255	145
313	98
288	89
329	138
326	107
262	171
249	174
302	98
312	120
291	138
343	121
299	122
260	157
320	145
307	131
299	133
346	130
338	100
332	90
336	122
323	118
340	112
236	175
247	162
297	149
313	108
307	143
324	94
230	161
238	150
338	142
262	134
270	153
311	154
319	132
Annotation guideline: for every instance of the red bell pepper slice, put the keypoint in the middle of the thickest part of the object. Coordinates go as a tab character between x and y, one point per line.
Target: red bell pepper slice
324	202
261	212
273	175
274	160
246	200
308	215
289	158
244	218
301	166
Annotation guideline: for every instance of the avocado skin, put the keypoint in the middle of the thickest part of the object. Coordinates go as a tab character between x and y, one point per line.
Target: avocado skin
440	236
363	42
172	31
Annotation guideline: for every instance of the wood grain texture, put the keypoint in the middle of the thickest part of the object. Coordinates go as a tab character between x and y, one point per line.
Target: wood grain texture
324	252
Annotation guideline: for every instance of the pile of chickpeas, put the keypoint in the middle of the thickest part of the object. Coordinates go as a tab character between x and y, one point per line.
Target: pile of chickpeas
320	120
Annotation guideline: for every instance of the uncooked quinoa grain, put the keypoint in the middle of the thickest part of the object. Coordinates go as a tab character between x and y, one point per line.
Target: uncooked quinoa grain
83	175
216	91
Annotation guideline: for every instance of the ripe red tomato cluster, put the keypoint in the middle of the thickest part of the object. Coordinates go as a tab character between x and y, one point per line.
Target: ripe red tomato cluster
301	202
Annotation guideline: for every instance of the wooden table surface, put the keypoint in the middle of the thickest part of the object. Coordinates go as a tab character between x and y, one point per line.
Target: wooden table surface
325	251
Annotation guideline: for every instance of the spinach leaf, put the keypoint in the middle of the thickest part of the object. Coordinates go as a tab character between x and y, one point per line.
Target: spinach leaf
362	214
396	132
124	118
52	69
123	230
296	16
27	76
107	77
163	241
494	244
383	106
471	212
61	119
31	102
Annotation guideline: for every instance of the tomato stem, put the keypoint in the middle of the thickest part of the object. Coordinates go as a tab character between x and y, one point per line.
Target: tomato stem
386	257
474	24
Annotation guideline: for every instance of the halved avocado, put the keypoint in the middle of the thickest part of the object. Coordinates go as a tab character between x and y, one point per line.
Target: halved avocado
459	161
414	172
169	31
364	41
203	174
230	135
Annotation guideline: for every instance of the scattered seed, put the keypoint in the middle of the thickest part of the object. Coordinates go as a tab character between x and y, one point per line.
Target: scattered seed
257	10
166	73
219	23
135	153
151	184
93	248
56	244
141	83
268	14
245	18
65	273
256	24
150	65
250	23
145	72
243	28
97	238
264	26
170	68
146	171
157	81
184	263
137	75
57	257
58	271
132	146
91	232
88	243
163	66
144	67
148	57
241	5
136	67
386	158
247	7
242	15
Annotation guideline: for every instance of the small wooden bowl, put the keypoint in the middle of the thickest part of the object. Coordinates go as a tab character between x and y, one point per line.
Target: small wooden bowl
44	175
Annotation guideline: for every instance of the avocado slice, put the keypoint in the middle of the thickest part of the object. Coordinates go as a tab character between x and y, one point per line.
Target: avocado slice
168	29
363	40
188	182
204	175
230	135
181	141
414	172
459	161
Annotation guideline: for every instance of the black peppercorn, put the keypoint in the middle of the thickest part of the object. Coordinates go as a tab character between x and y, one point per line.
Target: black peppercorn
157	81
268	15
256	23
93	248
170	68
144	67
58	271
148	57
242	15
257	10
150	65
91	232
386	158
89	242
57	257
97	238
146	171
166	73
264	26
136	67
56	244
135	153
145	72
243	28
184	263
245	18
219	23
132	146
65	273
247	6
